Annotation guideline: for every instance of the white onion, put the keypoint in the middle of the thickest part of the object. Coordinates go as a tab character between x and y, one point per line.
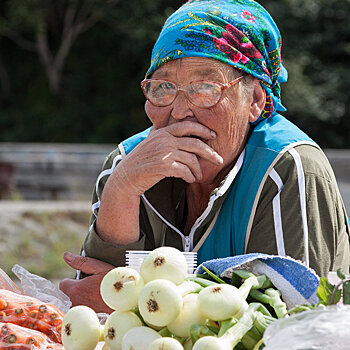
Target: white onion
164	263
220	302
160	302
165	343
121	287
117	324
188	316
80	328
139	338
211	343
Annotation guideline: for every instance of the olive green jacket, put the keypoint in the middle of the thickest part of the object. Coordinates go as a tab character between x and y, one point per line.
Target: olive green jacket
163	211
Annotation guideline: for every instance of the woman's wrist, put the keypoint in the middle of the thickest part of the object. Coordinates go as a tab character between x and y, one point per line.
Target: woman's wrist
118	217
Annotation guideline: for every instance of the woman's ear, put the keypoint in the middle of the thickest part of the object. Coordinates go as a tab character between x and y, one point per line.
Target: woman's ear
258	101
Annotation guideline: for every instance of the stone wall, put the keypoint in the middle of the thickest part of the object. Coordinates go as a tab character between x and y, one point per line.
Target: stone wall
68	171
50	171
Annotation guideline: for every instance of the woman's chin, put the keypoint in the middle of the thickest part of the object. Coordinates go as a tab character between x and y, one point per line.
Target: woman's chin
209	172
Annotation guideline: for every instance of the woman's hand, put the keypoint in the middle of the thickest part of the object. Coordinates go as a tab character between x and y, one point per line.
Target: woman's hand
87	290
171	151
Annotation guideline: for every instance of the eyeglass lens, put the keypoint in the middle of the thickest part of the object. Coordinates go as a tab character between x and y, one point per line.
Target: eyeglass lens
201	93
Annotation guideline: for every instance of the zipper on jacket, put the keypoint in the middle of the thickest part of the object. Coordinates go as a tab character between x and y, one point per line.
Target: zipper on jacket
186	242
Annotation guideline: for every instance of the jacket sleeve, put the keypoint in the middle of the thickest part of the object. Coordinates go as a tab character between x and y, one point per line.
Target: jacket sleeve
302	214
93	245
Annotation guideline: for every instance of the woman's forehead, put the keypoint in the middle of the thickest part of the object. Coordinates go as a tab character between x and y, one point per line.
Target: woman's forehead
194	66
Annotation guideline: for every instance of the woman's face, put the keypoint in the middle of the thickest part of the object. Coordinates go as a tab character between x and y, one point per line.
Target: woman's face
230	118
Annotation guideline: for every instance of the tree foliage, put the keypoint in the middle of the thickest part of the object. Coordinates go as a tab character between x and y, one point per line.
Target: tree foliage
70	69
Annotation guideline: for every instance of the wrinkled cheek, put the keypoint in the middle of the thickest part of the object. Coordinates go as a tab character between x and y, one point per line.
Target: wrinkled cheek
157	115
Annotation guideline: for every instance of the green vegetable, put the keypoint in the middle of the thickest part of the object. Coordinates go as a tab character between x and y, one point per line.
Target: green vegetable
164	332
263	280
188	287
346	291
346	285
204	282
212	275
327	292
259	345
273	298
261	322
197	331
250	339
232	336
226	324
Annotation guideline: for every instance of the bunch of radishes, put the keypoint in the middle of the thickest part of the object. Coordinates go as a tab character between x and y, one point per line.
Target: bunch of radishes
162	308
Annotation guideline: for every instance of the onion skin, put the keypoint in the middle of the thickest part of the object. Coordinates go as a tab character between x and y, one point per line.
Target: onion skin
160	302
165	343
188	316
139	338
164	263
80	329
211	343
220	302
121	287
117	324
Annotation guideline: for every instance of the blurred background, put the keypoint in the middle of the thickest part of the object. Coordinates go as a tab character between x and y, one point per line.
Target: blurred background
70	92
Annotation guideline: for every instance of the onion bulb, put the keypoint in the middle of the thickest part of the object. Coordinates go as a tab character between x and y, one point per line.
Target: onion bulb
139	338
164	263
120	288
188	316
220	302
117	324
165	343
211	343
80	328
160	302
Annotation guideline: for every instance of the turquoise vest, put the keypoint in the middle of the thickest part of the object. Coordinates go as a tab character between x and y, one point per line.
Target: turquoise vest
268	139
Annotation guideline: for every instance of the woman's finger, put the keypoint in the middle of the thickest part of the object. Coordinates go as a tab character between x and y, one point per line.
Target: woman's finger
182	171
200	148
85	264
189	160
189	128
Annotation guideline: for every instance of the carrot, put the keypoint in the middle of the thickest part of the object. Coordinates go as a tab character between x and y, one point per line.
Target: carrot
31	313
16	337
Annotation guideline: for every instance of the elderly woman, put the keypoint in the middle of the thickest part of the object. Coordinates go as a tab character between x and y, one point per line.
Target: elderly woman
220	171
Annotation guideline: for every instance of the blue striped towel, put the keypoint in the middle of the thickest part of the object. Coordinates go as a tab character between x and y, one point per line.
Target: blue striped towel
296	282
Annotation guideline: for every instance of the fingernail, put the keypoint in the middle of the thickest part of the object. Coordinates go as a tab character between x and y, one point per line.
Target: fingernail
212	134
220	159
68	256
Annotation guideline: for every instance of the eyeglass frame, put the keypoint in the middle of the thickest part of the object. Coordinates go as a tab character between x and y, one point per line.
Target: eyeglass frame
181	88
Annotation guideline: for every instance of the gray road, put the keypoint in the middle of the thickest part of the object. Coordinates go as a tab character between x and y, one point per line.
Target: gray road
344	188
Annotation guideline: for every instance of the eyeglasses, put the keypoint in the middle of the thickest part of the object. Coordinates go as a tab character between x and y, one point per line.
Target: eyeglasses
201	93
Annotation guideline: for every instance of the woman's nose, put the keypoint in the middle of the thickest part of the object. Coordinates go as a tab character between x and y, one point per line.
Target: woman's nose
181	107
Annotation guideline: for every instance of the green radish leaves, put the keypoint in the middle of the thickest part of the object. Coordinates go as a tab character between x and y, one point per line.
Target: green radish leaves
325	291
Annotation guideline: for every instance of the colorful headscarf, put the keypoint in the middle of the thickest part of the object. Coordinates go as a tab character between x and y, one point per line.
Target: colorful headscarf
238	32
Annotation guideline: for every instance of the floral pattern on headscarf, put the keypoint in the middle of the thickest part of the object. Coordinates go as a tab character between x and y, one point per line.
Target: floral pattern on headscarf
240	33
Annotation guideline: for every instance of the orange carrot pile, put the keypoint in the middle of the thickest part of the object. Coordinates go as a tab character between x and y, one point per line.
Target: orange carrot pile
31	313
14	337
